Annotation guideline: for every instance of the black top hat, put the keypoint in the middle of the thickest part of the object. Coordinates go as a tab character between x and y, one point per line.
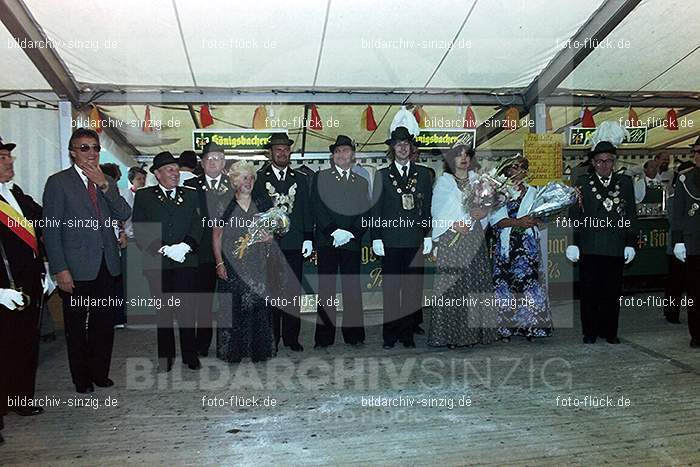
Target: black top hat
603	146
400	133
696	143
211	147
279	138
342	140
161	159
7	146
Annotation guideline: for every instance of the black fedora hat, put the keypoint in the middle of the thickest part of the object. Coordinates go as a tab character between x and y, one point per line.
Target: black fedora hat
342	140
187	159
7	146
603	146
279	138
161	159
211	147
696	143
400	133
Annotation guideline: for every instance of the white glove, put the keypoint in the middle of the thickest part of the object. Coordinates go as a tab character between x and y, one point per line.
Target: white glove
427	245
307	248
176	252
47	283
629	254
572	253
11	298
341	237
378	247
679	251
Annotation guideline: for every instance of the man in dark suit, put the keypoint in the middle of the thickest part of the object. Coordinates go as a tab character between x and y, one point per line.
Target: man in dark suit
340	204
401	199
215	193
685	221
289	188
81	207
604	234
21	291
168	230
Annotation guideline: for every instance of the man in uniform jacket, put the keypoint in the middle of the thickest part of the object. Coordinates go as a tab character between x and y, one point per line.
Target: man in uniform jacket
168	230
685	222
340	204
81	208
215	193
21	291
400	231
282	186
603	238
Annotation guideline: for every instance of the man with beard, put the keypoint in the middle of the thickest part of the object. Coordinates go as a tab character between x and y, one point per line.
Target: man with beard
401	202
283	186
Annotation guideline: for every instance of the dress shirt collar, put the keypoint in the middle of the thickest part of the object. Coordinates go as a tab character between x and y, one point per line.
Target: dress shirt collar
399	167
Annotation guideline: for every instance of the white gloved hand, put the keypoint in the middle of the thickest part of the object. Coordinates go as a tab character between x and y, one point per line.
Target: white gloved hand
629	254
378	247
307	248
341	237
679	251
176	252
47	283
572	253
427	245
11	298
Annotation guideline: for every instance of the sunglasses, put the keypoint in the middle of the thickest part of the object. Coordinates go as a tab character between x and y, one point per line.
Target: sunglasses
87	147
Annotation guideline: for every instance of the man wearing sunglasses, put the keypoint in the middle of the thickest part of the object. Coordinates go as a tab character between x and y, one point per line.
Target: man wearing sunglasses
604	235
81	207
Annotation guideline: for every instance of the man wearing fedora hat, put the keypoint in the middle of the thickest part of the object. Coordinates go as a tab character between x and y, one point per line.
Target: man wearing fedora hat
168	230
214	192
340	204
602	242
81	205
283	186
400	231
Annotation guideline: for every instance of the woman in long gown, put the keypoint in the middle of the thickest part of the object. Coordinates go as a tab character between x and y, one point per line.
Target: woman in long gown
244	319
518	269
461	315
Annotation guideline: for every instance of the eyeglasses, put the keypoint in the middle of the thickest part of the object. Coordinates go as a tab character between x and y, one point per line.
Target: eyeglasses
214	159
604	161
87	147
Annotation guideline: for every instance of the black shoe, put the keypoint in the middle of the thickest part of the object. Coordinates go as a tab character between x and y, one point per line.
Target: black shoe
673	319
107	383
589	340
613	340
388	345
27	411
409	344
194	364
695	343
204	353
165	364
84	389
296	347
418	330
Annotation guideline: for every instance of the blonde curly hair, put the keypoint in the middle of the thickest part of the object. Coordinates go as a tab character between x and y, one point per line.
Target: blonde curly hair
238	168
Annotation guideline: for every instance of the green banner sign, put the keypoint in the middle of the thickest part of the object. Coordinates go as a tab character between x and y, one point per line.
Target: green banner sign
436	138
582	136
233	140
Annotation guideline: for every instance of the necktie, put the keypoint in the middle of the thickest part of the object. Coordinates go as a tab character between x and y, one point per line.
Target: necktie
404	173
92	193
213	184
344	174
169	194
282	175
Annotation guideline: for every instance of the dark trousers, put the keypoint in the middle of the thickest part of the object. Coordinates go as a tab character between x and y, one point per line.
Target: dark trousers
120	317
600	289
90	330
402	286
675	286
693	291
284	283
330	260
206	273
175	284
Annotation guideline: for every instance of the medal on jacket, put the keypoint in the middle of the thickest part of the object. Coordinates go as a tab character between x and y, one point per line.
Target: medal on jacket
695	206
407	201
693	209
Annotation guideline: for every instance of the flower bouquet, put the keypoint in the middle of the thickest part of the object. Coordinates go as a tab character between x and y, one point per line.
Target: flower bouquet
551	199
274	221
490	191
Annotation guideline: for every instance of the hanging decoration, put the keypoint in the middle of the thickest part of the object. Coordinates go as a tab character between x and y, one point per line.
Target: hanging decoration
95	120
632	118
260	118
671	122
205	117
147	123
368	123
510	121
587	120
469	118
548	120
315	122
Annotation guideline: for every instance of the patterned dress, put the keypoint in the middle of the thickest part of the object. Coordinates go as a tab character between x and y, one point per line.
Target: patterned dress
462	314
521	294
244	320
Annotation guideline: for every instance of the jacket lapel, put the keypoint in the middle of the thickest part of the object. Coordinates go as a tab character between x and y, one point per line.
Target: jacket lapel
81	191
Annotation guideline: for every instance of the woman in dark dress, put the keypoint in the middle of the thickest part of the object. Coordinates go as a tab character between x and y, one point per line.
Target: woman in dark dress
244	319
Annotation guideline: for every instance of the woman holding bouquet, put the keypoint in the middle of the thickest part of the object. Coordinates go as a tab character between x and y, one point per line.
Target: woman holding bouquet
460	315
244	321
518	267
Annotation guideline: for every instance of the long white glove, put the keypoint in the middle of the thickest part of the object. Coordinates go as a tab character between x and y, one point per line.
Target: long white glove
378	247
341	237
629	254
427	245
47	283
11	298
307	248
679	251
176	252
572	253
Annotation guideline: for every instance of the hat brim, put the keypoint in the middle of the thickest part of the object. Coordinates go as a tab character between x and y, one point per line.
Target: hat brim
391	142
333	147
156	167
8	146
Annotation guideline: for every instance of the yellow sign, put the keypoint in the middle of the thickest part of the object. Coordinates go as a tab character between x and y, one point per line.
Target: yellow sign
544	153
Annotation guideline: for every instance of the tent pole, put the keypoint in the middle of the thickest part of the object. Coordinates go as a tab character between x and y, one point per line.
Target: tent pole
65	129
303	129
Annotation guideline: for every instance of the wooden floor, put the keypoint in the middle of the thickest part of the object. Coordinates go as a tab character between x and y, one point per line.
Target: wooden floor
319	417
